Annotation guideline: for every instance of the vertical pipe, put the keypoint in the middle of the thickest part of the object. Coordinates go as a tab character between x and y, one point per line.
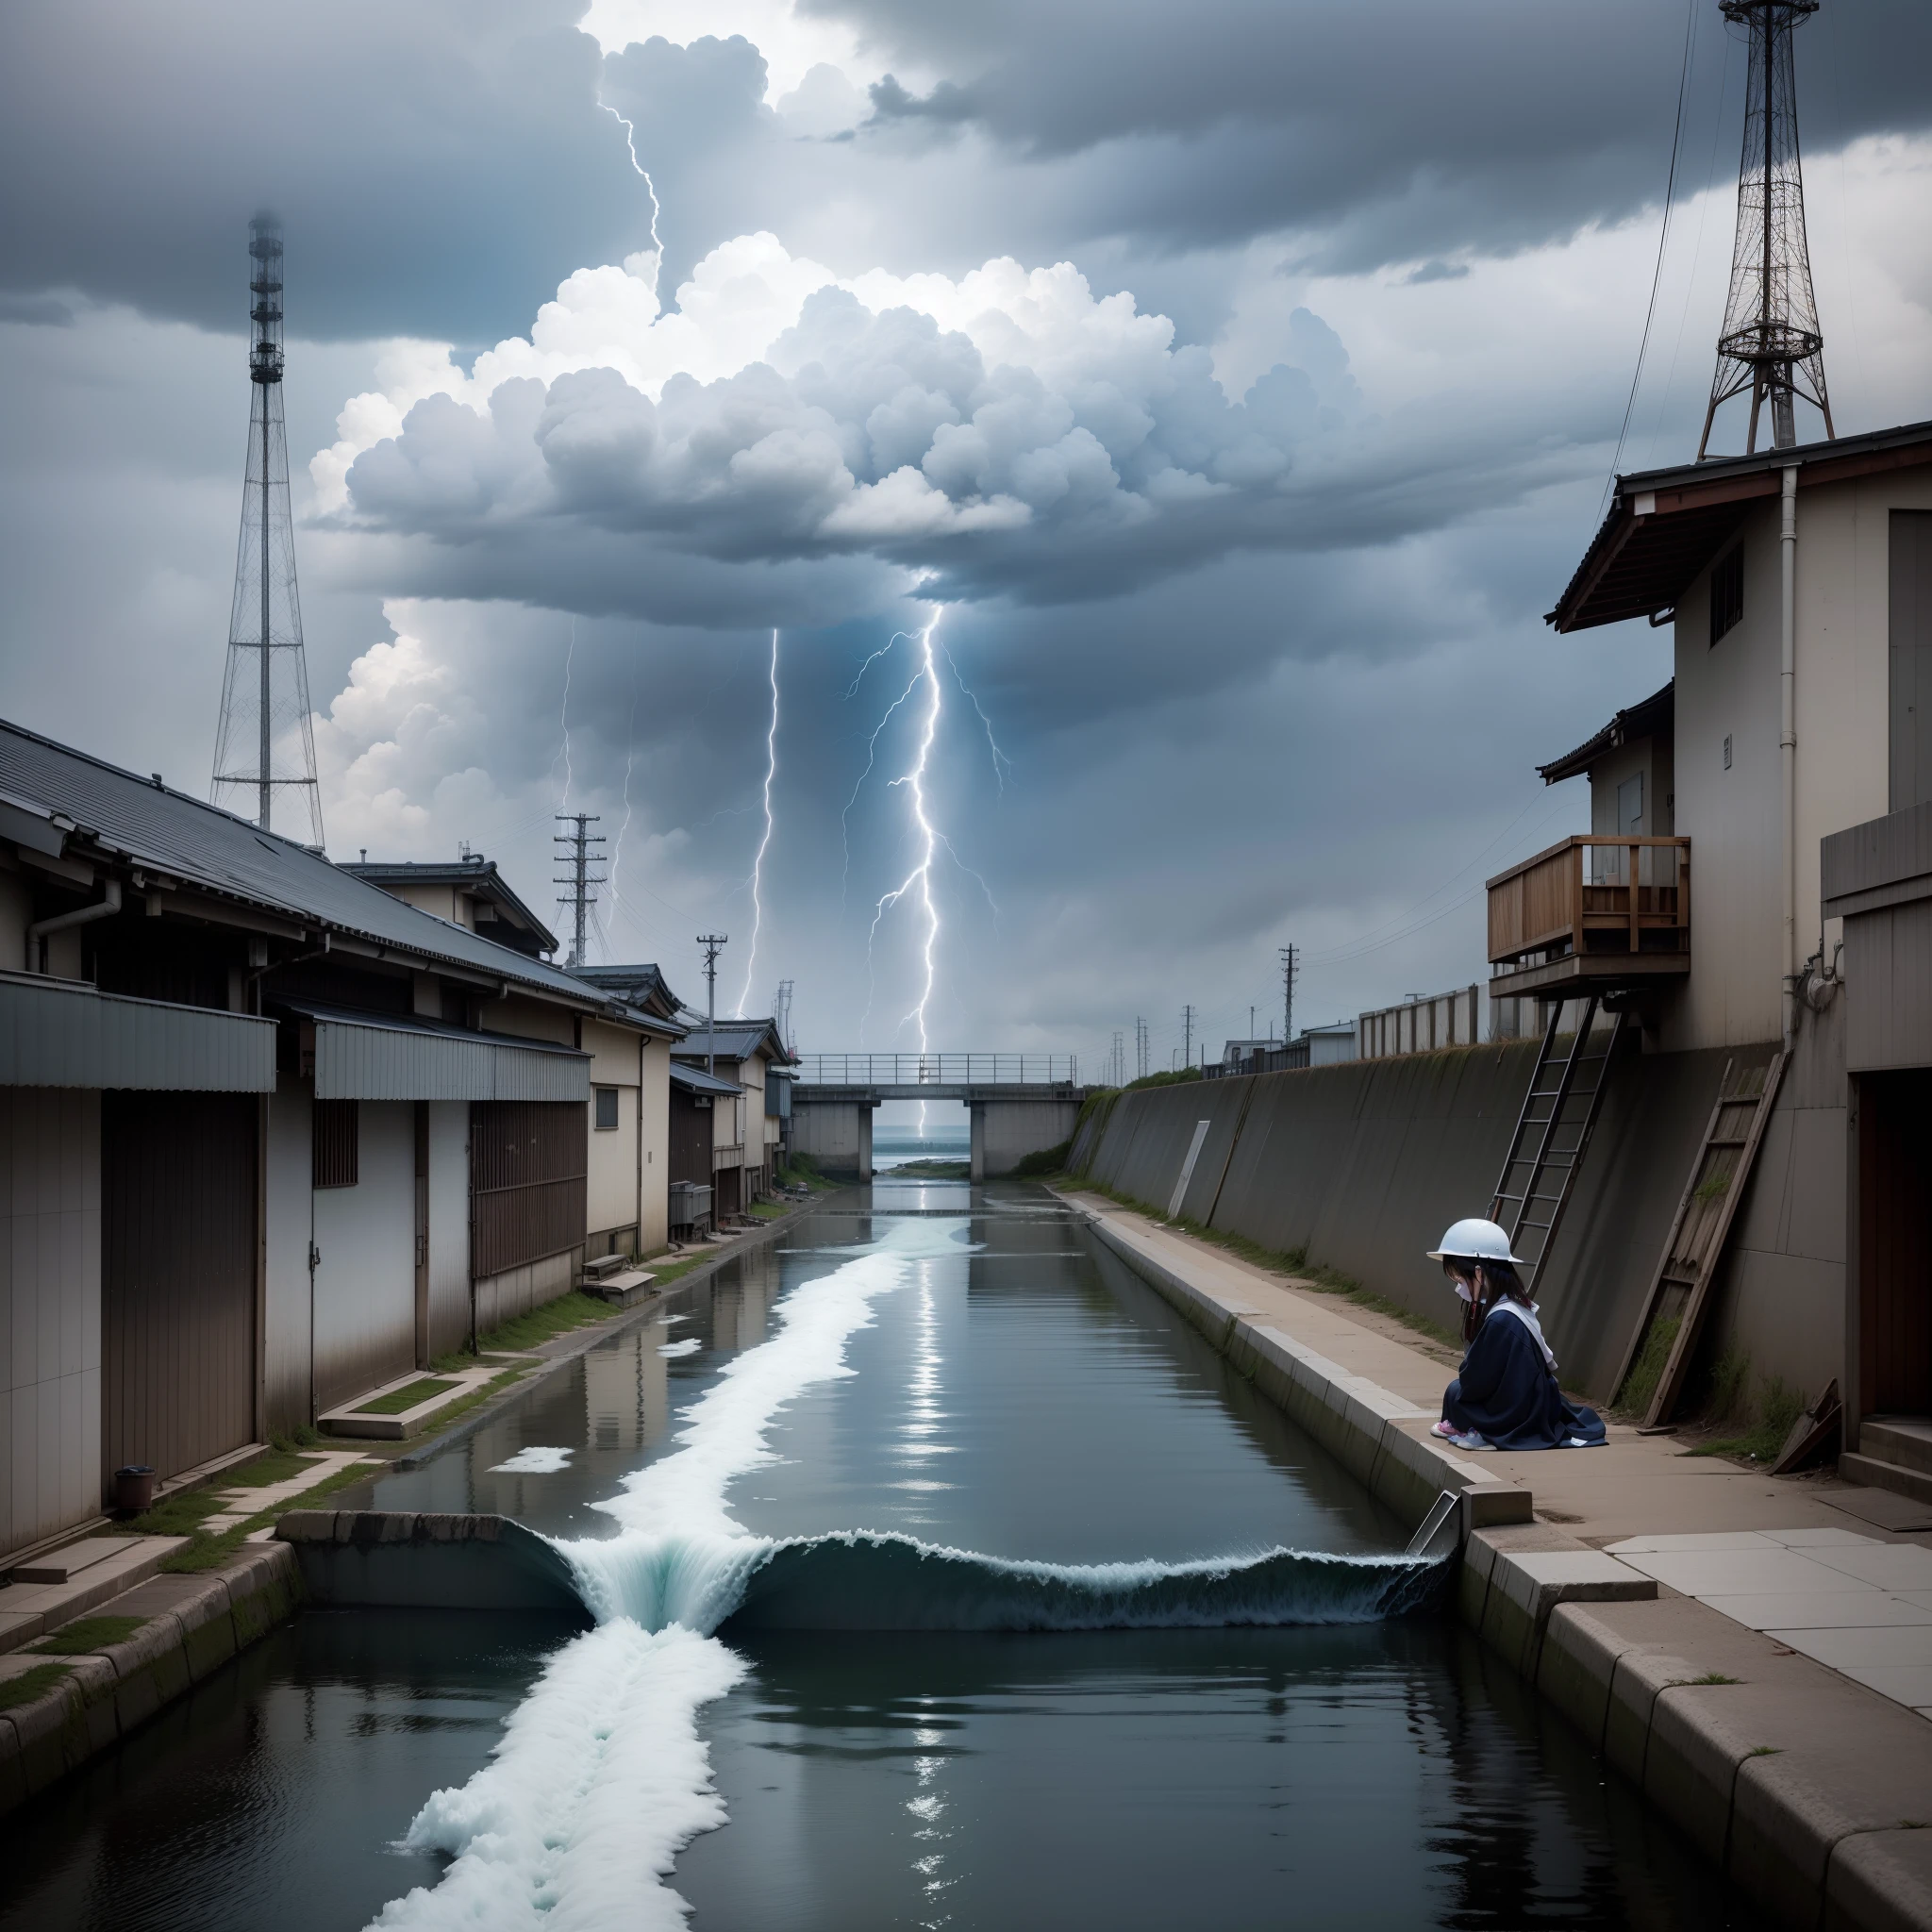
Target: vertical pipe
1787	740
262	814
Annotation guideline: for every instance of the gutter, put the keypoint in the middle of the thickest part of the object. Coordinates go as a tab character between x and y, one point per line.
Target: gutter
104	907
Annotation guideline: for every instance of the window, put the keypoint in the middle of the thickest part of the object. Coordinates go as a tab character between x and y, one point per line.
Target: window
606	1108
1726	591
335	1146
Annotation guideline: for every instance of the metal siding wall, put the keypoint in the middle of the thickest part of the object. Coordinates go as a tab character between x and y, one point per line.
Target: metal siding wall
1888	987
365	1282
177	1278
391	1063
50	1311
529	1175
1910	650
60	1036
285	1343
449	1224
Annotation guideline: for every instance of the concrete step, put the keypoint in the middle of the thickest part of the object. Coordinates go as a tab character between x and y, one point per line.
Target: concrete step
1905	1440
1878	1474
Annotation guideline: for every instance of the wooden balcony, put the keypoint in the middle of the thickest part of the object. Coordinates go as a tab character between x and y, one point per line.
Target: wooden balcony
1592	915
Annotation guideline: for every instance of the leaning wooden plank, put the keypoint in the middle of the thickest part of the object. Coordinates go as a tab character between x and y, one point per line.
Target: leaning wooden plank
1671	1382
1647	1309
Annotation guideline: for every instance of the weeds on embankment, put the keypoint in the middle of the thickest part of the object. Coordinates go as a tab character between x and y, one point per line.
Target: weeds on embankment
1759	1423
1293	1262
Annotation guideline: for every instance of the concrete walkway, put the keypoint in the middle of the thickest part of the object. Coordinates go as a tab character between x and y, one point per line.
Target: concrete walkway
1753	1652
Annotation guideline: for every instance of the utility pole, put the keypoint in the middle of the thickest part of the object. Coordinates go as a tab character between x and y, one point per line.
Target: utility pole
266	687
577	854
1187	1036
1291	972
1140	1049
711	941
1117	1060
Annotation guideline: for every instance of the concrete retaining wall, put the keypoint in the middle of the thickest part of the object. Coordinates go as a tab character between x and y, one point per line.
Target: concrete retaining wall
193	1625
1361	1166
422	1561
1798	1784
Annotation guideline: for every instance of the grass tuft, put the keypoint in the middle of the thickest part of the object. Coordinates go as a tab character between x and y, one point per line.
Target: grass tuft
1292	1261
31	1684
1048	1160
277	1466
87	1635
534	1326
411	1395
1768	1419
1647	1370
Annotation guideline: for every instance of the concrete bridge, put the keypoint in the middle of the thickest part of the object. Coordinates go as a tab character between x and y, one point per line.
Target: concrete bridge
1019	1103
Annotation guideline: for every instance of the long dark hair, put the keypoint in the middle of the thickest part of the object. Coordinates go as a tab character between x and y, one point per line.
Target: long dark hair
1499	1282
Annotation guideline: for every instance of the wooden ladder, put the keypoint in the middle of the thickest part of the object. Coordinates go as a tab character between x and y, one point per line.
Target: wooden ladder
1559	1114
1680	1287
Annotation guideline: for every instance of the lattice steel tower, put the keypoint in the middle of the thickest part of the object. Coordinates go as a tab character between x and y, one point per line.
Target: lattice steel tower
266	743
1770	342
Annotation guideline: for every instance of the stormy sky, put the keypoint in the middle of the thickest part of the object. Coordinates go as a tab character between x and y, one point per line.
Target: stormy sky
1226	389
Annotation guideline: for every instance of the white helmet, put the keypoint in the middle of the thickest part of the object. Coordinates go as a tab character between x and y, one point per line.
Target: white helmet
1475	1240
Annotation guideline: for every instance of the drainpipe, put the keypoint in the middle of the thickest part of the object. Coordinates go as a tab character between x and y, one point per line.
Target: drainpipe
104	907
1787	740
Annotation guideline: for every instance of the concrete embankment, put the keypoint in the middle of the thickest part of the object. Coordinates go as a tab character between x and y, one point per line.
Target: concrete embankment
1361	1166
1808	1789
424	1560
183	1629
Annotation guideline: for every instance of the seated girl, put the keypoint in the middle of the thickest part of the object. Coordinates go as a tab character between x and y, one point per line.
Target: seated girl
1506	1395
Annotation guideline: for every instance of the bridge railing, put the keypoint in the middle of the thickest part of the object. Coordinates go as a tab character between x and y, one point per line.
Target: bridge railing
939	1070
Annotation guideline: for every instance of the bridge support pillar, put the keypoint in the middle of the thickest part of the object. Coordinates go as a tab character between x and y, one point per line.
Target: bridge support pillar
835	1133
1006	1131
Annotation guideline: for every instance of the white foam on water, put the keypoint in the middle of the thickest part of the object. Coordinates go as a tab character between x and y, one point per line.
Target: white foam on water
601	1776
689	1345
534	1460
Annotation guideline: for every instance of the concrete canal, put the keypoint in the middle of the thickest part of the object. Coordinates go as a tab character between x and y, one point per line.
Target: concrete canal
938	1575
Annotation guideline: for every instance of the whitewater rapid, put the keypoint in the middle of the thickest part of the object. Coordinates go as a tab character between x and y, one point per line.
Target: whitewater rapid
601	1776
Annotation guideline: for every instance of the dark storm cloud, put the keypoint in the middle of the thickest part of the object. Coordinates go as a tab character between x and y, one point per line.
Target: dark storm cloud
440	165
1493	123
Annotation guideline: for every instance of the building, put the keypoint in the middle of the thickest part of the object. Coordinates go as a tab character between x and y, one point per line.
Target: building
1756	879
745	1126
468	891
631	1166
272	1135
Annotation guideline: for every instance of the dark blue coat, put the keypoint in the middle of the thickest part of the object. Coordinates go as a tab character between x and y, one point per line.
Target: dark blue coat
1507	1394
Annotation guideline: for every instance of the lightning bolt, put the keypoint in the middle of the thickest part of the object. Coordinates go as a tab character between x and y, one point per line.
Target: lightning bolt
757	864
872	749
918	882
630	758
569	653
630	142
1002	764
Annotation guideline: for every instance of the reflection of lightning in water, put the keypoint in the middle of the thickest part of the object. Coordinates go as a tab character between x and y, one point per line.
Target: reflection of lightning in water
757	864
919	880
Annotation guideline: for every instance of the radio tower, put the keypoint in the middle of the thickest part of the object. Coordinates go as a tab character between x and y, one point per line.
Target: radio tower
1770	343
265	742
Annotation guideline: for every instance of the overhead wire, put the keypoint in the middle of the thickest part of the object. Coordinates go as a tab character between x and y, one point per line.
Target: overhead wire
1663	243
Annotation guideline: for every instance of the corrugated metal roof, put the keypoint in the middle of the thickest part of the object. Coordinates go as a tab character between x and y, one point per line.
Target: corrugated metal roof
733	1040
165	831
64	1033
386	1056
695	1080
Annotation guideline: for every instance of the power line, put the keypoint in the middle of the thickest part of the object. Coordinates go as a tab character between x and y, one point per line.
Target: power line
1662	242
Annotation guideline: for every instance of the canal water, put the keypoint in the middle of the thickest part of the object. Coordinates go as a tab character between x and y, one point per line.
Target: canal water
942	1576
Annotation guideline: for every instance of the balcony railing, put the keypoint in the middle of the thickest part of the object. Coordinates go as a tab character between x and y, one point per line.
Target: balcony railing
1599	907
939	1070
